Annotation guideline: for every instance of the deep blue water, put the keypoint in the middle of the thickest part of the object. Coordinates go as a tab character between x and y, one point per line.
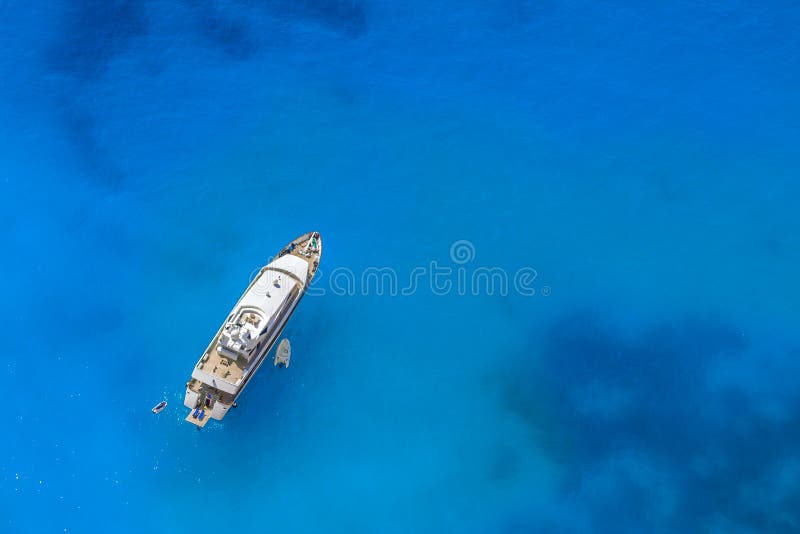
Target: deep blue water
641	157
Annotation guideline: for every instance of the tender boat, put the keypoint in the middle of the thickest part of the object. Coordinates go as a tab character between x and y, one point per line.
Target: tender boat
160	406
241	344
283	353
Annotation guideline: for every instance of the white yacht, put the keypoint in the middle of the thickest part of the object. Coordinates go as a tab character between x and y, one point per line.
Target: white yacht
247	335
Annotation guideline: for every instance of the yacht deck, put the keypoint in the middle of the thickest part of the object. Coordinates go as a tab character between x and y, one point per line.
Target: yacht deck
198	422
221	366
301	248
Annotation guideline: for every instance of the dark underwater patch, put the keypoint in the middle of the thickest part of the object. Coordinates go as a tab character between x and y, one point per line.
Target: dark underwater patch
347	17
228	33
80	127
242	31
504	464
651	437
515	13
94	31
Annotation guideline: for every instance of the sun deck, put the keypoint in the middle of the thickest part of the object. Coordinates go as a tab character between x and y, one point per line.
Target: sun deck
202	389
198	422
220	366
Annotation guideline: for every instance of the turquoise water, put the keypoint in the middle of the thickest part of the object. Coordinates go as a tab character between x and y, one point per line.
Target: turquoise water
641	157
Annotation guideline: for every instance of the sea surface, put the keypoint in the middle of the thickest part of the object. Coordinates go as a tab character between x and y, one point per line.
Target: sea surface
559	284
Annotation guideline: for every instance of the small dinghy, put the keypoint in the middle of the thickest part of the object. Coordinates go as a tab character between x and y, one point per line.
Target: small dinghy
283	353
160	406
